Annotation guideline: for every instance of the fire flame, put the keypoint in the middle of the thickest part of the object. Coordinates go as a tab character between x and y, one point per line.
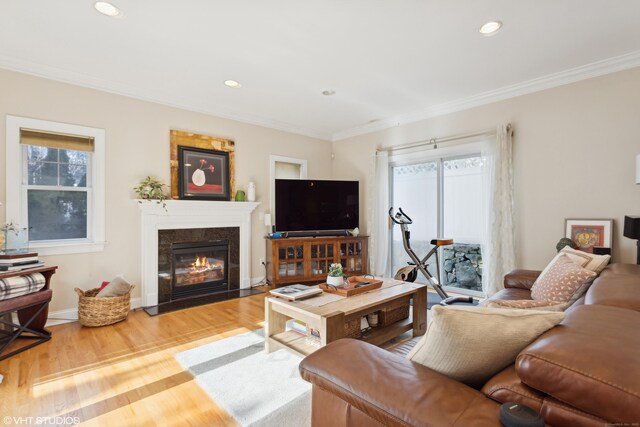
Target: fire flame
202	264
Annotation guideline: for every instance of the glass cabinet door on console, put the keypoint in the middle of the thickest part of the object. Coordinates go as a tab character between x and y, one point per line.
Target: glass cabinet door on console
322	256
351	257
291	260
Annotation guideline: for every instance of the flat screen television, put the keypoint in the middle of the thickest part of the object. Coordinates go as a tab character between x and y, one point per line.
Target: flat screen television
316	205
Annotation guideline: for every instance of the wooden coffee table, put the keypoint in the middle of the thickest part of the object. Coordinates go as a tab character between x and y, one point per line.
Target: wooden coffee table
330	319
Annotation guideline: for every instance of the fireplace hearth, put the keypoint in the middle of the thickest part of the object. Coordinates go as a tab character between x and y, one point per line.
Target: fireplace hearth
199	268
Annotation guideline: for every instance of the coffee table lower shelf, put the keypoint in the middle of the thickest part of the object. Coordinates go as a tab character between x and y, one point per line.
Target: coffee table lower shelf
297	343
330	319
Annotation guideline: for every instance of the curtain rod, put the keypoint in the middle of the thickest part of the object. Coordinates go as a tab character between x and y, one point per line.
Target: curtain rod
436	141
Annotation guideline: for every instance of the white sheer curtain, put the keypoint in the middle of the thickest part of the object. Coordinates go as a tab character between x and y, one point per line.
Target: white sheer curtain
498	251
380	220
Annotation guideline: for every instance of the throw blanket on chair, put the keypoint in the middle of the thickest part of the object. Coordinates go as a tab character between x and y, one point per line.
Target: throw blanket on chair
13	287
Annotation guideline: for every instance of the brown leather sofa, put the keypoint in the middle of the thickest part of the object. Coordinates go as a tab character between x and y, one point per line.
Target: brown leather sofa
583	372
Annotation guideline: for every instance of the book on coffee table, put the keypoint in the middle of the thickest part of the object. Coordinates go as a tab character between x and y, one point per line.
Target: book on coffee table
295	292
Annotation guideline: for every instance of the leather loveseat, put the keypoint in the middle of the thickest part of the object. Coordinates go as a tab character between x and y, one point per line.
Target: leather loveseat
583	372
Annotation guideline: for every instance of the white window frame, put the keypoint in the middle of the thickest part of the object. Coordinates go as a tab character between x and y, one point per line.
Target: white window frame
430	155
16	192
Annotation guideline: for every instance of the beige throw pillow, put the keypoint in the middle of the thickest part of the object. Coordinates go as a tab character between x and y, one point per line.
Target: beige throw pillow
564	282
472	344
116	288
526	304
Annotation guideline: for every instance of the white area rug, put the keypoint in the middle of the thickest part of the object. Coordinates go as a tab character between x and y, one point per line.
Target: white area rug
255	388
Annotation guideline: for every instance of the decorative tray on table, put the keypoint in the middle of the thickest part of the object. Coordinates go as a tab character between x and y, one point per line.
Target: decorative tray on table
357	285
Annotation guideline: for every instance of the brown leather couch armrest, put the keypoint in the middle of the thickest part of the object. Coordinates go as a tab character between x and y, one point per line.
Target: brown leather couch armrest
393	390
522	279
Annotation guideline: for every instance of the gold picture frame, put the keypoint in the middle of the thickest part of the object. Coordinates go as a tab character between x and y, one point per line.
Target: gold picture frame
194	140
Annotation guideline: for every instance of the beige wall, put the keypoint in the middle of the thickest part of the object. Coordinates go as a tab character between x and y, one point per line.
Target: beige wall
138	145
574	157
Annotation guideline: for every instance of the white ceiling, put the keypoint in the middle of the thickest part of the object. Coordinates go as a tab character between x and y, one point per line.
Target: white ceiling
389	61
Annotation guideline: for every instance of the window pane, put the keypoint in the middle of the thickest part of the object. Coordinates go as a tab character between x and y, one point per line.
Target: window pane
73	175
73	157
415	191
57	214
37	154
42	173
463	221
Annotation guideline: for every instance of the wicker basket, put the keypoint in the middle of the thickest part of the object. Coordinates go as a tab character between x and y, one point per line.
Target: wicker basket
352	328
393	313
94	311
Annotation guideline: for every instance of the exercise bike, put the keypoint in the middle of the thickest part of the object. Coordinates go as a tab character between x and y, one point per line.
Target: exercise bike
403	220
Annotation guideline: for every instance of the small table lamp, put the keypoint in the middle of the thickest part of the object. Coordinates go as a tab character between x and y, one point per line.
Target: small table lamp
632	231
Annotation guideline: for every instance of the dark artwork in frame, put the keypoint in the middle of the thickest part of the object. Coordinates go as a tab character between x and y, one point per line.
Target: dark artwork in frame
203	174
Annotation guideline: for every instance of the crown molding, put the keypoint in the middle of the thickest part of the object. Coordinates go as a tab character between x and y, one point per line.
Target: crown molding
594	69
83	80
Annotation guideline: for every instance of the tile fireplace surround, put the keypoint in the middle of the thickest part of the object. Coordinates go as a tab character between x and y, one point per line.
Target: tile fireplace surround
183	214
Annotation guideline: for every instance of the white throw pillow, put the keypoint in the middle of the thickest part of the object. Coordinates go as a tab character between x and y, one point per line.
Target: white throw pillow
472	344
595	263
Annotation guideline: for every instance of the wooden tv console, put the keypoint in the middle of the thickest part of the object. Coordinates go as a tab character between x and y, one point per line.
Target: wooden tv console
307	259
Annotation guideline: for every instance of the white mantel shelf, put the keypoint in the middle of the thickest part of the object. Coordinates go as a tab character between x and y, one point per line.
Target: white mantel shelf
202	207
182	214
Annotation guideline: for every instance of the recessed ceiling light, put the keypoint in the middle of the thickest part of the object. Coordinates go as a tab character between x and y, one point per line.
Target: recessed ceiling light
490	28
232	84
107	9
328	92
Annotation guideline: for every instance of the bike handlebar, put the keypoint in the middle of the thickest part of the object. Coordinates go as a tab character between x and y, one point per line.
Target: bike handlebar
400	217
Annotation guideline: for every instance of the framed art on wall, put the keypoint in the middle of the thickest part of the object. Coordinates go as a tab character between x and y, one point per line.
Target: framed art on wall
179	138
203	174
589	233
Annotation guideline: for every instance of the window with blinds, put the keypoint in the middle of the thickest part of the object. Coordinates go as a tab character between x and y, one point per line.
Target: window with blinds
57	184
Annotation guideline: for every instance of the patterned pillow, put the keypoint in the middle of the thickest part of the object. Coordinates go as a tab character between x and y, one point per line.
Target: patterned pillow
527	304
564	281
586	260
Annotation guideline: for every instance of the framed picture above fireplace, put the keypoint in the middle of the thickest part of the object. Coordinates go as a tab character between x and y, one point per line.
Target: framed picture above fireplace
203	174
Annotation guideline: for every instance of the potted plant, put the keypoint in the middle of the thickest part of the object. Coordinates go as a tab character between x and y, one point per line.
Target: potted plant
335	276
151	188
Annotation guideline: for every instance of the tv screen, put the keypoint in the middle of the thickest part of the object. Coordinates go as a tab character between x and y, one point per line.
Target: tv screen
307	205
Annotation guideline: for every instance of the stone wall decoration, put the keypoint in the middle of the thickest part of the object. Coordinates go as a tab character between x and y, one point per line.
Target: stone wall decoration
194	140
463	266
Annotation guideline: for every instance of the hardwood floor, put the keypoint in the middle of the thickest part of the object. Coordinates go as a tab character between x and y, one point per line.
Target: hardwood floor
125	374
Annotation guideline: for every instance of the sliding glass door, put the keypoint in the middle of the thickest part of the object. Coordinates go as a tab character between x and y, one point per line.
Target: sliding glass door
445	198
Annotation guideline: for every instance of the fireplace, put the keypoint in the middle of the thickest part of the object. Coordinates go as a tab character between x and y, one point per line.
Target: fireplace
191	221
199	268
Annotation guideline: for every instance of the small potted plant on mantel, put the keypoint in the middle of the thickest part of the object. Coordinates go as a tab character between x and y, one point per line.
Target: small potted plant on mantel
335	276
150	189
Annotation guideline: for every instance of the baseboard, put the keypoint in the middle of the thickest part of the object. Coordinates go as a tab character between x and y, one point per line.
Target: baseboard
71	315
256	281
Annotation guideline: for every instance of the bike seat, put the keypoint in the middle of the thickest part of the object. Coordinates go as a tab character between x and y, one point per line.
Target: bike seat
442	242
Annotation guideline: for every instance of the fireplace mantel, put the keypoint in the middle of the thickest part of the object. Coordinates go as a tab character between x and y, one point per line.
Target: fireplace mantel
189	214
